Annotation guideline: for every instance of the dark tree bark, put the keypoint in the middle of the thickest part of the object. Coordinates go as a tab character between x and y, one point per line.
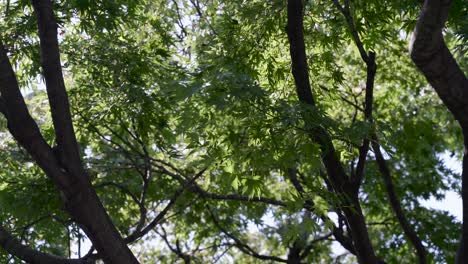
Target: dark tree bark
294	254
369	59
433	58
29	255
65	169
395	204
340	182
82	201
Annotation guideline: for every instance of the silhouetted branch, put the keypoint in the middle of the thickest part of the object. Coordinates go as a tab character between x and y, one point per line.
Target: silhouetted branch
431	55
25	253
395	204
139	233
241	245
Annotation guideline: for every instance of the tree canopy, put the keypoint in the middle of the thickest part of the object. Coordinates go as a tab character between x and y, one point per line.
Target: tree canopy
215	131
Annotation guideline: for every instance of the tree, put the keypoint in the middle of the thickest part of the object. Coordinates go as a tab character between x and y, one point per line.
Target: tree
214	130
432	56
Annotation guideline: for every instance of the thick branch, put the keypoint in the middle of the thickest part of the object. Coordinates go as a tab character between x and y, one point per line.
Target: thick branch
337	176
25	130
300	72
369	59
431	55
298	54
80	198
462	254
22	126
337	232
58	98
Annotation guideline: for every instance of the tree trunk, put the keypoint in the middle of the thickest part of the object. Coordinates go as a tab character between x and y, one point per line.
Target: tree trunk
294	254
462	253
433	58
335	172
63	164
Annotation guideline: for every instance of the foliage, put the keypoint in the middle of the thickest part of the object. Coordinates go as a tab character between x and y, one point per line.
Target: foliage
164	90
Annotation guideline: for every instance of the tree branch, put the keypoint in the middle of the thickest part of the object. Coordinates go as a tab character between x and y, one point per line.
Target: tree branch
55	85
176	250
337	232
227	197
160	216
312	243
236	197
22	126
300	72
81	201
121	187
339	180
369	97
25	130
343	97
395	204
29	255
369	59
431	55
241	245
345	10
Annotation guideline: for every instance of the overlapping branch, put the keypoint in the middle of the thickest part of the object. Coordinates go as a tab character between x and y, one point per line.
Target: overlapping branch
64	165
14	247
245	248
309	205
369	59
431	55
336	174
55	85
22	126
396	205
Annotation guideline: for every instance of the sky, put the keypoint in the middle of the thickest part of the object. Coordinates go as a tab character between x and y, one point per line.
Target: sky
452	202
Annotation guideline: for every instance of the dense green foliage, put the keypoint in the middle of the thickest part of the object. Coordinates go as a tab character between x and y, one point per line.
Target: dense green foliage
162	91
